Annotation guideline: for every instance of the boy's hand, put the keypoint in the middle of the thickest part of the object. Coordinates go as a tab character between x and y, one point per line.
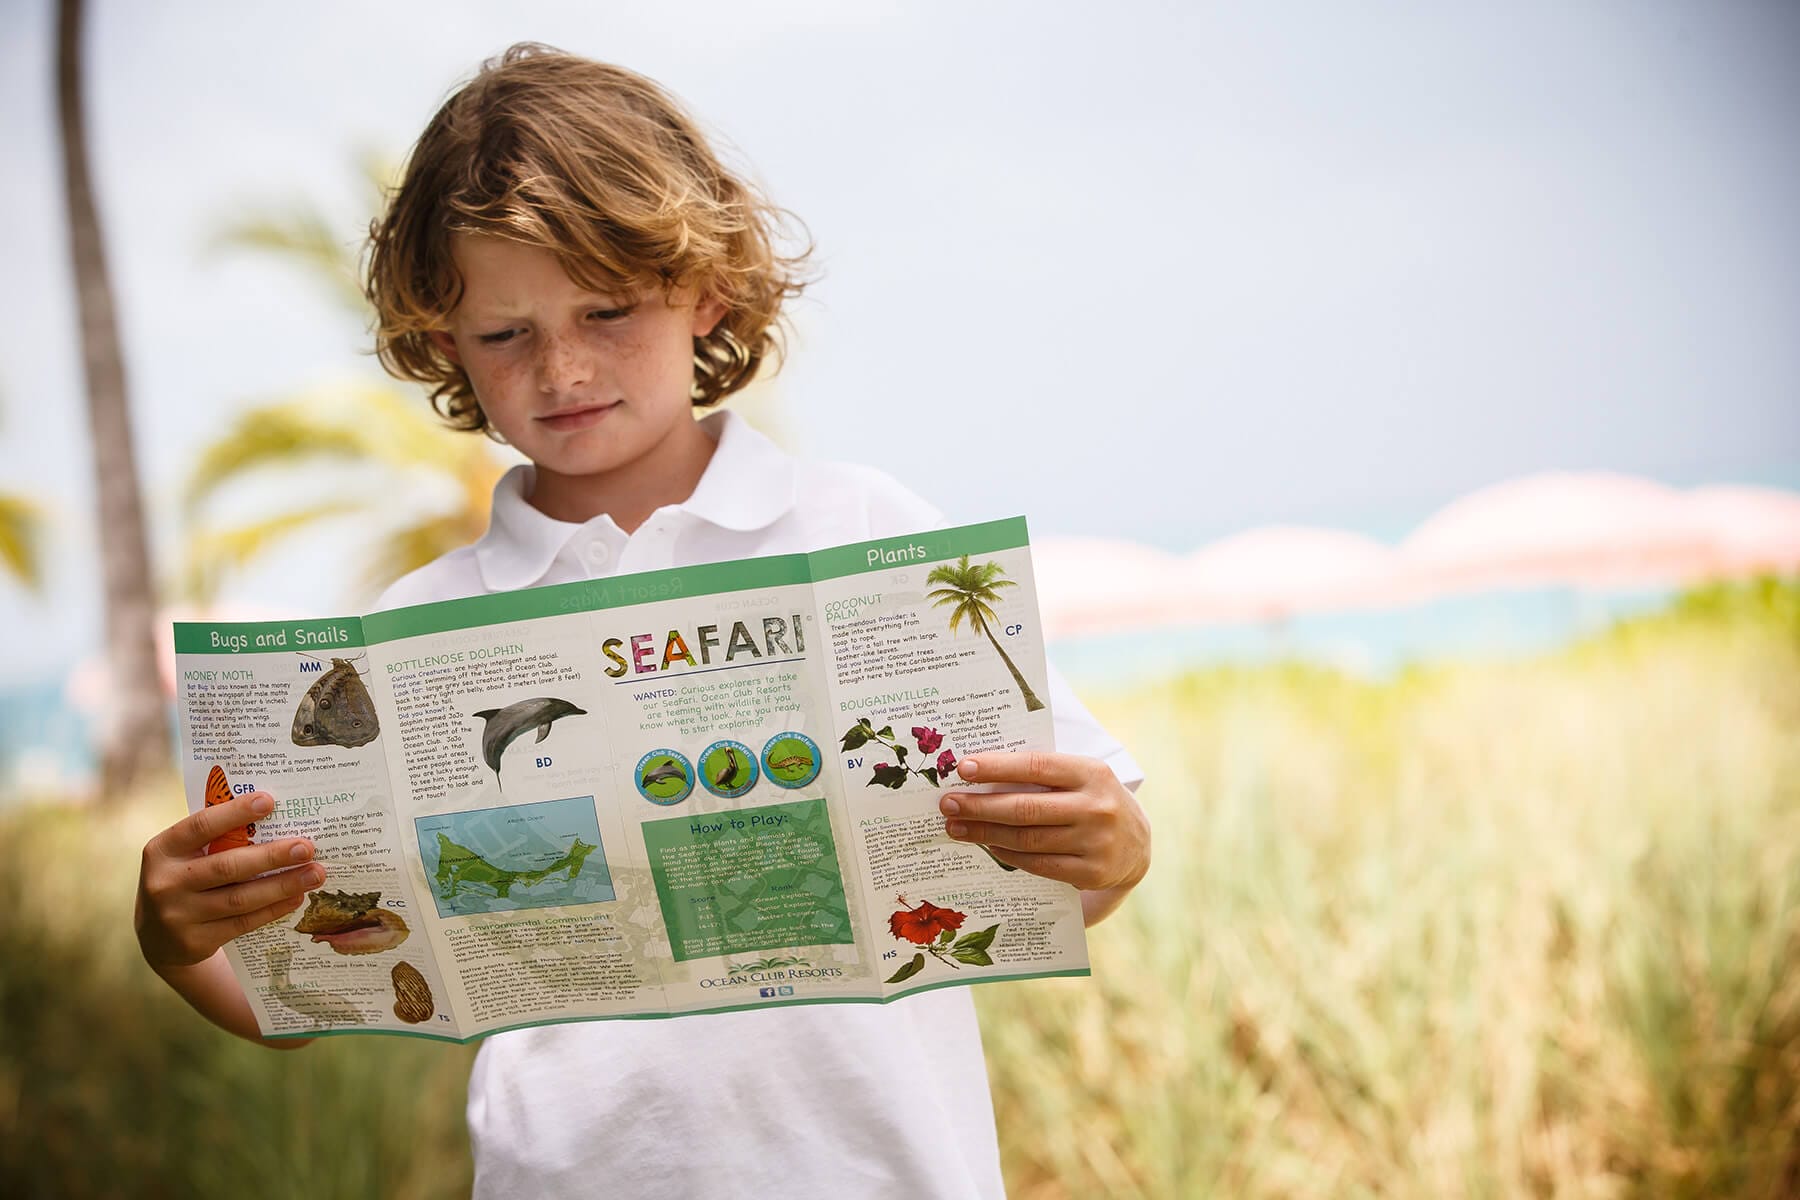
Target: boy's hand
1086	829
189	902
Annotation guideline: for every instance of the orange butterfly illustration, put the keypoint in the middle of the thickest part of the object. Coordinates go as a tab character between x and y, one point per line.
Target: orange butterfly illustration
218	791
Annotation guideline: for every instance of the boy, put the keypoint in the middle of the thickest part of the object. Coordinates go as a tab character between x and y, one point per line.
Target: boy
571	270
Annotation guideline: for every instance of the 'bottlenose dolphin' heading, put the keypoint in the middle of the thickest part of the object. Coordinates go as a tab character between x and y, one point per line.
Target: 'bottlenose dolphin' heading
507	725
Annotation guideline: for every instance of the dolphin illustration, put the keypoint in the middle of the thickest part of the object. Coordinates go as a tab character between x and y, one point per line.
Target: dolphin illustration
663	770
507	725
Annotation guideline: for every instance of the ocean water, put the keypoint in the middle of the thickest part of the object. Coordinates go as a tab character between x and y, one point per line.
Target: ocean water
1372	644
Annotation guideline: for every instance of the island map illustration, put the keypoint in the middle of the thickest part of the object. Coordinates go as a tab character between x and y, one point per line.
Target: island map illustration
515	856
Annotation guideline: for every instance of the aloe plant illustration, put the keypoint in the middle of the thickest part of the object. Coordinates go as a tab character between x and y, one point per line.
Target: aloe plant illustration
971	593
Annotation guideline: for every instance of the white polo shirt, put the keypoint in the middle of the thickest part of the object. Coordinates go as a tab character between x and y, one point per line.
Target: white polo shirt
833	1102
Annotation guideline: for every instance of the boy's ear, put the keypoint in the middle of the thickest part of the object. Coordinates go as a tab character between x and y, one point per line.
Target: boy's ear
708	312
445	344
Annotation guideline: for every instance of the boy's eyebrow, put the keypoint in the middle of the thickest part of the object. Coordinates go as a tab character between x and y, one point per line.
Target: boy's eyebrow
501	310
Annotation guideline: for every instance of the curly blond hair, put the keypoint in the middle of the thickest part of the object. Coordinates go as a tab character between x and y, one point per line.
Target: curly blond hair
604	169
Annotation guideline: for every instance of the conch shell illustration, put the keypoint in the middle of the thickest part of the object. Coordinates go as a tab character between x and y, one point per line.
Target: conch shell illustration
351	922
506	725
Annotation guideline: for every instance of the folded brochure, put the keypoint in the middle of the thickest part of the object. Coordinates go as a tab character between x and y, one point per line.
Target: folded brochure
686	791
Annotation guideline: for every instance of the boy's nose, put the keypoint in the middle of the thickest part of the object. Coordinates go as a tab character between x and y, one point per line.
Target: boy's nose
563	365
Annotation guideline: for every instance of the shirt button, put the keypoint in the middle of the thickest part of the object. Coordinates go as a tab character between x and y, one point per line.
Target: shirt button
597	553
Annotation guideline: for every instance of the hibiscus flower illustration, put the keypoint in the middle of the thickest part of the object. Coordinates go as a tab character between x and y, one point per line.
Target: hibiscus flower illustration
934	927
922	923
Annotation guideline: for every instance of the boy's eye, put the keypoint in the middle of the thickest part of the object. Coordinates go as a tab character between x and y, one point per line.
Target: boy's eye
610	314
496	339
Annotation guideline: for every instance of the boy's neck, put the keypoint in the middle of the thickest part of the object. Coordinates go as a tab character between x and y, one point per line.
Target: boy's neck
630	492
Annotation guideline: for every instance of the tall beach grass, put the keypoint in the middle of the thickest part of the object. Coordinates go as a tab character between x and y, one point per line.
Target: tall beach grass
1526	929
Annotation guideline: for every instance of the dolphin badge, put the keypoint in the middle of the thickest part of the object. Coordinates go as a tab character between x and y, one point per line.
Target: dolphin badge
506	725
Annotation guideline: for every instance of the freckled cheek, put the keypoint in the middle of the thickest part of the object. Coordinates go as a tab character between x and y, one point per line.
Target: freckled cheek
494	383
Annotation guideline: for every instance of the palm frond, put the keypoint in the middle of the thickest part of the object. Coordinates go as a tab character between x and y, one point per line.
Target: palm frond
406	550
303	237
947	573
274	435
20	524
213	552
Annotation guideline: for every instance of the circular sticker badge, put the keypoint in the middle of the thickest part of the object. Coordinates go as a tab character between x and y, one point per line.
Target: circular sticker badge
727	768
664	777
791	759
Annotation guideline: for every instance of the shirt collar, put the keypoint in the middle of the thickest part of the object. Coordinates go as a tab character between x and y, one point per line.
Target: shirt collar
747	485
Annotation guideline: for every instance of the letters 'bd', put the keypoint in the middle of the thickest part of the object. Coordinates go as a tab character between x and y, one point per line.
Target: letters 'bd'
337	710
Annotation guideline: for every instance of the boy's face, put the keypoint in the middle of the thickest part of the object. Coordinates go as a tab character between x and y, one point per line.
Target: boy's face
580	382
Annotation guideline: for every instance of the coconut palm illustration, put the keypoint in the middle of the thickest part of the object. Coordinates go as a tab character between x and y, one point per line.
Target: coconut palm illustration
971	593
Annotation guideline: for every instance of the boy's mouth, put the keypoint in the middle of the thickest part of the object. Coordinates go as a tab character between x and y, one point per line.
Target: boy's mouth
580	416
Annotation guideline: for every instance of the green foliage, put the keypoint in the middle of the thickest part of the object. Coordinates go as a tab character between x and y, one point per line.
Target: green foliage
20	522
388	433
111	1086
372	427
1766	599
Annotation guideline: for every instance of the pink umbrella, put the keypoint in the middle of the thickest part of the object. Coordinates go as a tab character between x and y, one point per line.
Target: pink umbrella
1599	529
1273	572
1590	529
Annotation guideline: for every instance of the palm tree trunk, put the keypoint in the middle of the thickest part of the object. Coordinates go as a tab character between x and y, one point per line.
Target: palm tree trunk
1032	703
135	734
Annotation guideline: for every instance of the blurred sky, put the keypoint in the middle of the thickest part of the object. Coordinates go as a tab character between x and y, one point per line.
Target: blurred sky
1148	271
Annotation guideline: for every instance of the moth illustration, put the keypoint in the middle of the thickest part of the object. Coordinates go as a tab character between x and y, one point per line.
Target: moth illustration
506	725
336	710
218	791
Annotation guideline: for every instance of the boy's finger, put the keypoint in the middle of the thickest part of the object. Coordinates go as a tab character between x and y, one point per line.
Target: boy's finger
190	834
1011	808
1066	771
1033	839
229	927
225	903
245	862
1064	867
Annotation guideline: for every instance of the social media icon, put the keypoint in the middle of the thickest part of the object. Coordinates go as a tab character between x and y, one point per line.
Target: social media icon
785	990
765	991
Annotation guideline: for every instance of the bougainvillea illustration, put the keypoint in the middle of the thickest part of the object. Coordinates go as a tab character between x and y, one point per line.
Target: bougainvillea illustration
935	928
895	774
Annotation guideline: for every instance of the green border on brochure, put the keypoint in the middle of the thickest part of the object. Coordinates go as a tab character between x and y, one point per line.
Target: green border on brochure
593	595
1076	973
322	637
935	545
